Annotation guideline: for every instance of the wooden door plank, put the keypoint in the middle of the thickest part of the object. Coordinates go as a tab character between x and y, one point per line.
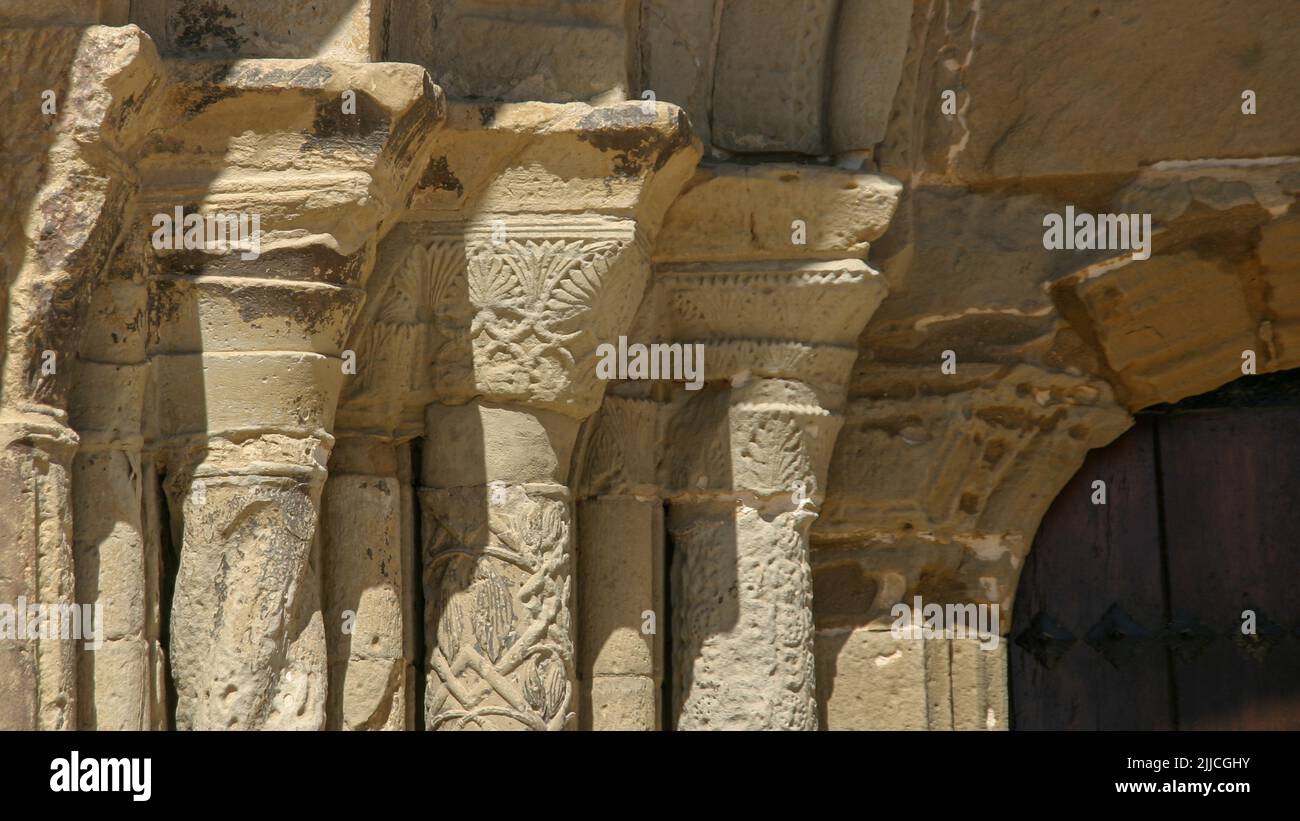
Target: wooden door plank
1232	512
1085	559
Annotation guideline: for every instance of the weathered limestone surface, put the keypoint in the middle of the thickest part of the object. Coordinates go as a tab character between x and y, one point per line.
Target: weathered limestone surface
1093	88
621	585
748	459
365	533
939	480
360	470
815	78
868	680
67	180
258	342
543	287
328	29
555	51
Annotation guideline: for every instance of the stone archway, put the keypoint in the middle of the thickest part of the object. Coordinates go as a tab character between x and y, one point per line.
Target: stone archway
1159	591
939	481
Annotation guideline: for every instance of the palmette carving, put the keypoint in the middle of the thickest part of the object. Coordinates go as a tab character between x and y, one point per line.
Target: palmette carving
420	309
498	577
541	308
623	450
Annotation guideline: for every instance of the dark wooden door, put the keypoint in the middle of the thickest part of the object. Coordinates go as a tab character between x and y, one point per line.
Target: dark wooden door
1129	614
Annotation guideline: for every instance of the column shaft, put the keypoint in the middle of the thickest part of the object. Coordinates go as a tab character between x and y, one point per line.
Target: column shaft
37	675
364	535
743	631
247	637
497	569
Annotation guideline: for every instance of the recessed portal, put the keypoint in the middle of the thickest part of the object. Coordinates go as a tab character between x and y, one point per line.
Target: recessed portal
1175	603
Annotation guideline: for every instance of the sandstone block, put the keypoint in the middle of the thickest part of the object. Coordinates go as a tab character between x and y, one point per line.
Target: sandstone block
624	703
1024	114
619	581
749	213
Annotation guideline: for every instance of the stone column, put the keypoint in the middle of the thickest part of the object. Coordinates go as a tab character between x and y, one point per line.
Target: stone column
114	565
747	480
116	533
68	186
249	358
753	268
621	613
37	676
497	506
368	516
555	263
364	537
497	568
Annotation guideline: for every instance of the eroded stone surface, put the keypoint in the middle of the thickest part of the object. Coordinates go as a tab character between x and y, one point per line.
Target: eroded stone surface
395	399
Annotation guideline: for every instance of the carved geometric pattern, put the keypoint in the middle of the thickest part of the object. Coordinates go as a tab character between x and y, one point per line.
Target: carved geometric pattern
498	585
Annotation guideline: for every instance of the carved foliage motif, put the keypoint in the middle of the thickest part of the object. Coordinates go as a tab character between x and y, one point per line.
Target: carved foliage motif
420	326
498	585
624	450
538	302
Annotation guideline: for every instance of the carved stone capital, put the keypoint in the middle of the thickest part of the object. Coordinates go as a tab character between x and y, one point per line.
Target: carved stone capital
788	319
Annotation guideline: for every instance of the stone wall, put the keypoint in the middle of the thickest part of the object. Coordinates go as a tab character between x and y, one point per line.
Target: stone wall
360	467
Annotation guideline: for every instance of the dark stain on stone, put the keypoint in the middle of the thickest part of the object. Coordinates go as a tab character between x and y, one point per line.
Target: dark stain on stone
163	305
1250	57
314	263
634	136
439	177
412	127
200	26
207	95
487	115
257	75
307	309
131	105
365	130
